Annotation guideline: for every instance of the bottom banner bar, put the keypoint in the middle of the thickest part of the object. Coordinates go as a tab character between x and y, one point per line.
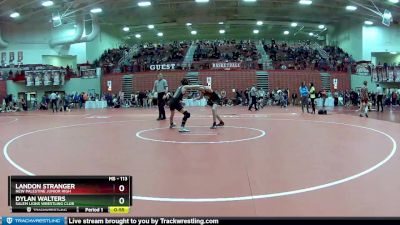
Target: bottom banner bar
221	221
75	209
9	220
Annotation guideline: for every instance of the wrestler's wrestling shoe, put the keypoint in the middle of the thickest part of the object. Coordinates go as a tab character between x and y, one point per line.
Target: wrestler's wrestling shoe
183	130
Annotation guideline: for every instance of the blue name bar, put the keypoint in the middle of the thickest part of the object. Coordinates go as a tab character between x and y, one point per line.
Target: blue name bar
10	220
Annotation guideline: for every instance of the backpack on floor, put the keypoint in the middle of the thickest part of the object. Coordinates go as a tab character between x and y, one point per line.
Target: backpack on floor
322	112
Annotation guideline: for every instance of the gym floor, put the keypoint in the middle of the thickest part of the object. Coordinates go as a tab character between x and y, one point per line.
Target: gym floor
273	162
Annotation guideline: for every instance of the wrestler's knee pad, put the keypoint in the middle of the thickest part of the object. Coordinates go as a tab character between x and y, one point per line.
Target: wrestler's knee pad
186	115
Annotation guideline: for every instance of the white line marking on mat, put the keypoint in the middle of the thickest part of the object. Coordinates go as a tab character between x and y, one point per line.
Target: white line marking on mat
239	198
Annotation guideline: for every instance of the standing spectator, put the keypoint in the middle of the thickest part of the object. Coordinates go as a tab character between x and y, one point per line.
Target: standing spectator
253	96
141	98
394	98
53	101
85	98
323	96
3	106
246	95
223	96
373	98
81	100
294	98
8	100
67	100
34	102
312	97
161	88
60	103
286	97
261	96
364	100
24	105
379	93
238	97
304	96
122	98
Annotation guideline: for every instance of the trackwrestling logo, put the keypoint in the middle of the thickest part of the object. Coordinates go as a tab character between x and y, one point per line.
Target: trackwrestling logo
33	220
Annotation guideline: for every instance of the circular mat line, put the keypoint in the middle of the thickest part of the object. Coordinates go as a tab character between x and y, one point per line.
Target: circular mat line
227	199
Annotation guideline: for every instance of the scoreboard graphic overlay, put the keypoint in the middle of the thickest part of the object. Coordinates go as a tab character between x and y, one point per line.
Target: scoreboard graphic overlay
59	194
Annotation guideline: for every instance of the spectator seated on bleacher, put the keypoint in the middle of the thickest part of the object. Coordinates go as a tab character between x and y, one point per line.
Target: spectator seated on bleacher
143	56
302	55
208	52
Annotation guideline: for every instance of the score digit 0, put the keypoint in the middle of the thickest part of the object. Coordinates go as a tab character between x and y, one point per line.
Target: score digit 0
121	201
121	188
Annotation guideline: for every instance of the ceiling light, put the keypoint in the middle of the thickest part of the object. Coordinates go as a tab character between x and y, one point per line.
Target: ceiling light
188	24
126	29
321	26
160	34
151	26
47	3
368	22
193	32
293	24
256	31
259	23
249	0
96	10
305	2
222	31
393	53
56	18
14	15
311	34
351	8
138	36
394	1
201	1
387	15
220	23
144	3
286	32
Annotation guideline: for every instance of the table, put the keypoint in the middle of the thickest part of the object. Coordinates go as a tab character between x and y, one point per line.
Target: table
329	102
193	102
95	104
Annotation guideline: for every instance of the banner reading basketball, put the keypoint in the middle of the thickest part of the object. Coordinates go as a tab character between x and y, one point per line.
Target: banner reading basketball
226	65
